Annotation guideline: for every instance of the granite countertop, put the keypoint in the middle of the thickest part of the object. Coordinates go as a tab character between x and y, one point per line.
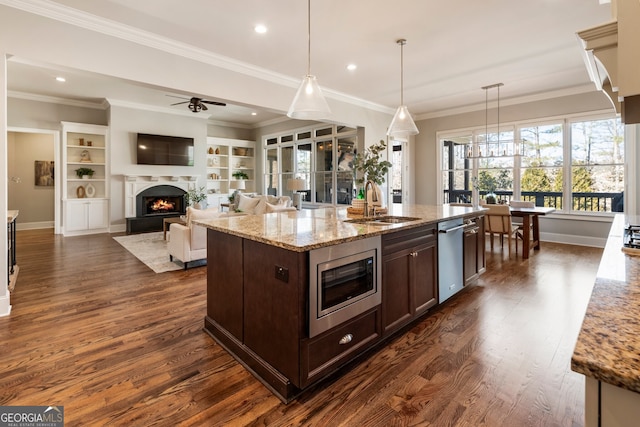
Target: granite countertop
608	346
314	228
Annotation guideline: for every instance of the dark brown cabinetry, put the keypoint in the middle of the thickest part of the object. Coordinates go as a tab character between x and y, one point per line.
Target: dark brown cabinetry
258	303
409	276
474	254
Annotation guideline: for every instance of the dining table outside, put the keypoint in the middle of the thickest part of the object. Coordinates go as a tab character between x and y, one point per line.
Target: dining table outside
530	220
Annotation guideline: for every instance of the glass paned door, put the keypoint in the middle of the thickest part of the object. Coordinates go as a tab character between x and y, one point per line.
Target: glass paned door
324	174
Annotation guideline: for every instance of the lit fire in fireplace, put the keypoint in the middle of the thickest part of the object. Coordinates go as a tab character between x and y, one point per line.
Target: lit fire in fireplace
162	205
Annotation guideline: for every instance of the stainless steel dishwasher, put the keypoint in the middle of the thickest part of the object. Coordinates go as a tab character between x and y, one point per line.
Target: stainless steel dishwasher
450	258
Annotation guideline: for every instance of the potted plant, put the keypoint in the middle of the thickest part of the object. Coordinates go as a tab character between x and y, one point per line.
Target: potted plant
195	196
240	175
372	168
84	173
370	165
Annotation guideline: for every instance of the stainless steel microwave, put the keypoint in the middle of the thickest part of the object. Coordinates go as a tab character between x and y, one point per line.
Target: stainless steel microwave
344	282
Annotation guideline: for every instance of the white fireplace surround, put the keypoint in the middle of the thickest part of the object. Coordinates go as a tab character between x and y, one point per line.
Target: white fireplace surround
134	184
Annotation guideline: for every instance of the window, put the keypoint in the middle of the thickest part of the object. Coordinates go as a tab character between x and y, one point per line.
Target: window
323	157
597	165
495	169
590	152
542	164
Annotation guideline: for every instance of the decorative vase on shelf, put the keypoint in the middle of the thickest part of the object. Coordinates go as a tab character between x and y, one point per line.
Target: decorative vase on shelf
210	150
217	150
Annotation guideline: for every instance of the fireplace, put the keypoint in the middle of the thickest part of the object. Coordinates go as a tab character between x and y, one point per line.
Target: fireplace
153	205
160	200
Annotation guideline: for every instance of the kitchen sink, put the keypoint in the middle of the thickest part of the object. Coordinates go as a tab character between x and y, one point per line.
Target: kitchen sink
382	220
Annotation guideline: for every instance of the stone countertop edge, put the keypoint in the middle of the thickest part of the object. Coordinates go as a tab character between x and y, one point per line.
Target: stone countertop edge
608	345
308	229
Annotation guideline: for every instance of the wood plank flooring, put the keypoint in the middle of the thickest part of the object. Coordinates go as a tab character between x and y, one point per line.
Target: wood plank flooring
95	330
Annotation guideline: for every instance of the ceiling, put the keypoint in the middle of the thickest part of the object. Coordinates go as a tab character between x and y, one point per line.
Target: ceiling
453	49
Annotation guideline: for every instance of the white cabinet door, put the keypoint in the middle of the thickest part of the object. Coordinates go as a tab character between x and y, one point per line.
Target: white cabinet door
98	214
85	215
75	216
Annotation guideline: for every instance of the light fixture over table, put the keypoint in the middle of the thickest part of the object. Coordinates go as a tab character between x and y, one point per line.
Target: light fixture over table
499	148
402	124
309	103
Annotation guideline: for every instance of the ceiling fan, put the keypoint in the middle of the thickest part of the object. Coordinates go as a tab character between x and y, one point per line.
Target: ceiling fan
197	104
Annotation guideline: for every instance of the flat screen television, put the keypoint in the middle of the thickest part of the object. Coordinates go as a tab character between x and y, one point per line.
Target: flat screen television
164	150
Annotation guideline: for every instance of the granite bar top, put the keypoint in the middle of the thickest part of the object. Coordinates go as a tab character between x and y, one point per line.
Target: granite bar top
608	346
308	229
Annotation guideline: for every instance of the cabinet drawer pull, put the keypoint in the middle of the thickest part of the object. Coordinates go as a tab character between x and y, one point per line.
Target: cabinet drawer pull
345	339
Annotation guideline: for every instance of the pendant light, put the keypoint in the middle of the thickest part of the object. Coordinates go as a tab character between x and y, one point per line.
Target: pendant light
309	103
402	124
499	148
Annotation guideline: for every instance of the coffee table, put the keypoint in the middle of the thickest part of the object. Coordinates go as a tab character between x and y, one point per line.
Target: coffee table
171	220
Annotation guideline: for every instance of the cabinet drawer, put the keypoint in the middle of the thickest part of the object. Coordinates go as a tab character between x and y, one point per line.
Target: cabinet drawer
406	239
325	353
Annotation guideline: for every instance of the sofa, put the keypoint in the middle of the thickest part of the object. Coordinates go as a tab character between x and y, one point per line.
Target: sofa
188	242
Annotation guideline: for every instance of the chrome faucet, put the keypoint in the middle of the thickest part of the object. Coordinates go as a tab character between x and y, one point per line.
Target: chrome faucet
374	197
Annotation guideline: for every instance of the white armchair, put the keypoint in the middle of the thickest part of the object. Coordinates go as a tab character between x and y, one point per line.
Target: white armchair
188	243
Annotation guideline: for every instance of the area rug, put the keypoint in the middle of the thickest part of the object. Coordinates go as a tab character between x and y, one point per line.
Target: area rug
151	249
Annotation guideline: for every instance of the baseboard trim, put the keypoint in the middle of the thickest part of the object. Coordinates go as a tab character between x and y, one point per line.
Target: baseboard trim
5	306
571	239
33	225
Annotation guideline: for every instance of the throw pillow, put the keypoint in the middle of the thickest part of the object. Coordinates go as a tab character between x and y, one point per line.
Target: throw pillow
277	207
195	214
247	204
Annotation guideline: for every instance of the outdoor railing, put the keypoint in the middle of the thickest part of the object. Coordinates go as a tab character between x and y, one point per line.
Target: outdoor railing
588	202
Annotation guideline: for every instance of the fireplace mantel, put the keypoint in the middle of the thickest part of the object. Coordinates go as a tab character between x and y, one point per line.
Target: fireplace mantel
134	184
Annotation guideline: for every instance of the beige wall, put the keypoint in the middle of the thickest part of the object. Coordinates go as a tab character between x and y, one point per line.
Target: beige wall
35	203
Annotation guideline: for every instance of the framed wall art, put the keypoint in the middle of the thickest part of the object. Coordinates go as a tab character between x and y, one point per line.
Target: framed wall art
44	173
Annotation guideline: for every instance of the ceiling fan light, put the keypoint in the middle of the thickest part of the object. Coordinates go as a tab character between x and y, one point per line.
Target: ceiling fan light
402	124
309	103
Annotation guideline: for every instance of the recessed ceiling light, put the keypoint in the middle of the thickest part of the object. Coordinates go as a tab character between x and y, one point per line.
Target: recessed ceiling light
254	113
260	29
351	67
61	79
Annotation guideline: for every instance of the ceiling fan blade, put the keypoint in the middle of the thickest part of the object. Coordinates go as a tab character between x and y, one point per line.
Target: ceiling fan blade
178	103
204	107
222	104
175	96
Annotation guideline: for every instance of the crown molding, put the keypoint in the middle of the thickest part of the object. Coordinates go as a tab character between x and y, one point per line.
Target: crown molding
575	90
103	105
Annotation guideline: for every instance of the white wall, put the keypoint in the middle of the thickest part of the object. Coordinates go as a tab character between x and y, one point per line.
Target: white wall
124	125
31	114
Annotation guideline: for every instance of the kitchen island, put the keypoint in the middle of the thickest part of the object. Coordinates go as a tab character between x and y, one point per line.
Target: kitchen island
607	351
261	290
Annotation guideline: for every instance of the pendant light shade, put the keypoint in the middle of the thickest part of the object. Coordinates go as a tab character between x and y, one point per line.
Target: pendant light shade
402	124
309	103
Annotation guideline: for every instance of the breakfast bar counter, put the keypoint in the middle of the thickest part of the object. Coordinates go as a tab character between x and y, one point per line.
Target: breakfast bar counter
607	351
294	296
308	229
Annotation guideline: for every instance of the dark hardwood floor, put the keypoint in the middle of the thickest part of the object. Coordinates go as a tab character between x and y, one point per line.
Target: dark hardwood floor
96	331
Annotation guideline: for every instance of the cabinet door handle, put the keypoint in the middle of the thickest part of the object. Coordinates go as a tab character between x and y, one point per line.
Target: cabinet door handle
345	339
414	254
